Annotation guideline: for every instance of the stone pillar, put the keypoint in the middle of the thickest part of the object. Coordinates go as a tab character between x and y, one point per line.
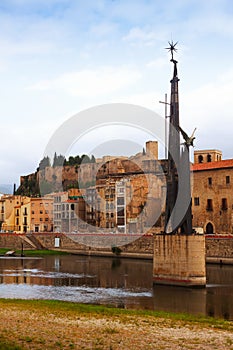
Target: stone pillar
179	260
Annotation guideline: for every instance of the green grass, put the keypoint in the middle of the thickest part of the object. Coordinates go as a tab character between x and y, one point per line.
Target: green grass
41	252
4	250
5	345
60	307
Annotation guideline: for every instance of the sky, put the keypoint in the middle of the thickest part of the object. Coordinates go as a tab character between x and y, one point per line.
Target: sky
59	57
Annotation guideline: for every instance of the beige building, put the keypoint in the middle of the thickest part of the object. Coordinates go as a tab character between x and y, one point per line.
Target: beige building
25	214
129	193
8	204
212	198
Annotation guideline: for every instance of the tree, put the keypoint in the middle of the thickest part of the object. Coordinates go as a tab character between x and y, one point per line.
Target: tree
58	160
45	162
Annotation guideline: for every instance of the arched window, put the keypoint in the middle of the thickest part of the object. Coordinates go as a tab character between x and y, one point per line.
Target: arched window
200	159
209	158
209	229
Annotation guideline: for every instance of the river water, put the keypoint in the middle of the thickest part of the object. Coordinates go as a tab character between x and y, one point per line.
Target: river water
123	283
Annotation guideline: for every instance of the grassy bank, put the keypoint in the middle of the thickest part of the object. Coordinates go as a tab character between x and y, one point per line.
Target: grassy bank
63	325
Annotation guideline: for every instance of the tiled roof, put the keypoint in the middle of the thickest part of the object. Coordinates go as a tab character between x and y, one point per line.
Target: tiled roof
226	163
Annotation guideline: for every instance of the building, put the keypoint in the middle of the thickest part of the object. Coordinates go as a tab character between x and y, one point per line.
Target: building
8	204
58	199
26	214
212	198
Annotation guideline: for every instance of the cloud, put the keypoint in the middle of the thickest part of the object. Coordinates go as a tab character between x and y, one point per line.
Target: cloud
157	63
208	108
87	83
138	35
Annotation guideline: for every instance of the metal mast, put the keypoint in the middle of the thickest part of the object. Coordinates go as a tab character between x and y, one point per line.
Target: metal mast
177	159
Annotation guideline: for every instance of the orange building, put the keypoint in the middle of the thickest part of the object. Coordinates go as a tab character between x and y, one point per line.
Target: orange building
26	214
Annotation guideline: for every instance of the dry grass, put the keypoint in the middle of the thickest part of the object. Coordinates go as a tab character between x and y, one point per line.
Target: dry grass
53	325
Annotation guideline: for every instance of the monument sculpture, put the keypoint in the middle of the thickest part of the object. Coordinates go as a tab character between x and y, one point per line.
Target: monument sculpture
179	253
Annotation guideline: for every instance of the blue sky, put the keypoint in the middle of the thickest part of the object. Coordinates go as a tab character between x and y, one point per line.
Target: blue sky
58	57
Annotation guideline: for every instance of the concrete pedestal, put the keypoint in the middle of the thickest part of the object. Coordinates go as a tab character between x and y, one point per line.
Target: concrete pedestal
179	260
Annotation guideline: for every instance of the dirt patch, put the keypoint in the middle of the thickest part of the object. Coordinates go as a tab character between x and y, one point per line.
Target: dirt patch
41	328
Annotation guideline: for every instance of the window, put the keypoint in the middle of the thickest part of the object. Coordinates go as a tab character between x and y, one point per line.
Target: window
120	221
121	212
196	201
227	179
200	159
120	200
209	181
209	158
224	204
209	205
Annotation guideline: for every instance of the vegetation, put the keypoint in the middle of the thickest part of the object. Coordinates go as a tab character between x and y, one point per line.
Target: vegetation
116	250
41	252
37	324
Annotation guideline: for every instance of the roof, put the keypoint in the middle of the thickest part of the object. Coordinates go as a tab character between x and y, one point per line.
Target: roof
221	164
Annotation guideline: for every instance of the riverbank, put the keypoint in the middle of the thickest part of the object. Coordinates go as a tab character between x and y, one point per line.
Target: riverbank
37	324
219	249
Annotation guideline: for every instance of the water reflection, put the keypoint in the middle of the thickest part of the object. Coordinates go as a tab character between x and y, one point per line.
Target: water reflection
123	283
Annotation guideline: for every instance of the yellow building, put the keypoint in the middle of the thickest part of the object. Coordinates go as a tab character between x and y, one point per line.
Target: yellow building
25	214
8	204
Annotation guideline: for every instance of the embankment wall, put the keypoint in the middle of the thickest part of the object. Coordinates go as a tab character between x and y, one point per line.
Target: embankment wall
218	248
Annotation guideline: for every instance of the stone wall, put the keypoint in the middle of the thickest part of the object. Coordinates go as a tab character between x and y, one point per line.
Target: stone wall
139	247
13	241
217	248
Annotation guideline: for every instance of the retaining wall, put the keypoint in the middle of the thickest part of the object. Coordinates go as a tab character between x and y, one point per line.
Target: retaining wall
218	248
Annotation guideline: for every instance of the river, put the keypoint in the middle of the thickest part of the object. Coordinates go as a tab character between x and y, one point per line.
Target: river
123	283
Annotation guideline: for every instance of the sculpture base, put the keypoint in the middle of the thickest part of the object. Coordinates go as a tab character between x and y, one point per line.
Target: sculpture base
179	260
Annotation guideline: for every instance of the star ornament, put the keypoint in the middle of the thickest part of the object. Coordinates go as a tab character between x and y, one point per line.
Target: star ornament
172	47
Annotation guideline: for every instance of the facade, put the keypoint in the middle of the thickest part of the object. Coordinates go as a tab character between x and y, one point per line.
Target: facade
23	214
8	204
212	200
58	199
